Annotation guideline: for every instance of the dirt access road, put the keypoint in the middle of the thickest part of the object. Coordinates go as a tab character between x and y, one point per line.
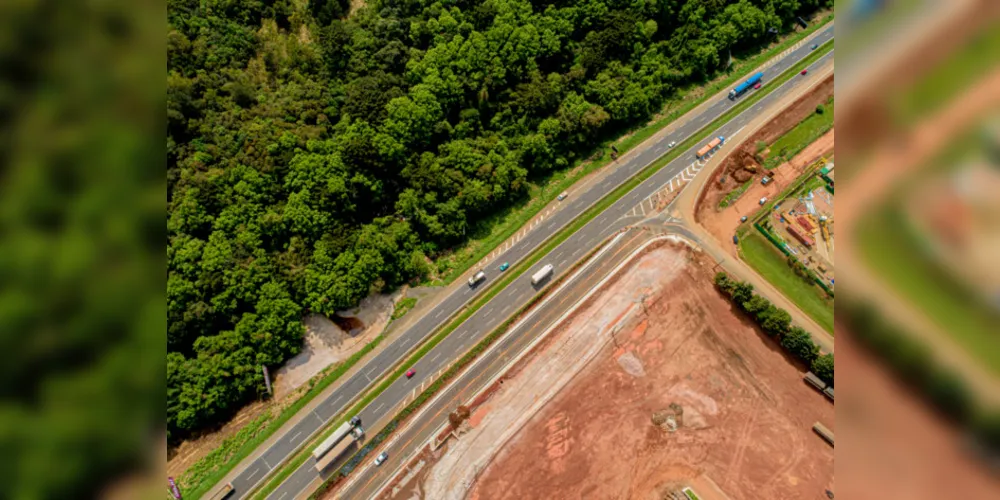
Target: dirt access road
722	223
683	210
746	415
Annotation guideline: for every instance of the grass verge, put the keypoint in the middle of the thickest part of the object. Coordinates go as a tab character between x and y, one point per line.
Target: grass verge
507	222
201	477
801	135
213	471
735	194
773	266
403	307
521	267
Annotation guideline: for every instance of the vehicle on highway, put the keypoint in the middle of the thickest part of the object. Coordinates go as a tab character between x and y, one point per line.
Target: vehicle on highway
381	458
763	200
356	421
562	196
804	71
814	46
477	278
223	492
743	87
743	219
736	240
410	373
757	86
335	438
504	266
672	144
541	275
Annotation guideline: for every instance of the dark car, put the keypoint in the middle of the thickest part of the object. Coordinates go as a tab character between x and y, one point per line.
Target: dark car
736	240
814	46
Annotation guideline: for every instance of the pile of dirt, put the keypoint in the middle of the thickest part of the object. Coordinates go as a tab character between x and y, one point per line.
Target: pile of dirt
745	163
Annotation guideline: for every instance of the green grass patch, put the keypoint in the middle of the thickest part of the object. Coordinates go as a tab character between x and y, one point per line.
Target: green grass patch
494	230
201	477
735	194
890	249
520	268
773	266
955	74
690	493
803	134
403	307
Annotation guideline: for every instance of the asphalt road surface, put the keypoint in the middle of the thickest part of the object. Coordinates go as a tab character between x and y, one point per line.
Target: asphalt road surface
515	295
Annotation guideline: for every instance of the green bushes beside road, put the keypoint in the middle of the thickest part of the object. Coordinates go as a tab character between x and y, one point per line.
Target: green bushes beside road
777	323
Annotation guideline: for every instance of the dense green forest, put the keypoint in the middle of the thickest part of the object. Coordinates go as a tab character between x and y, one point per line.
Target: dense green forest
315	158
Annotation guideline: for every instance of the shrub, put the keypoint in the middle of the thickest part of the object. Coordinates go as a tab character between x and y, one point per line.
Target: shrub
798	342
775	321
948	393
820	109
822	366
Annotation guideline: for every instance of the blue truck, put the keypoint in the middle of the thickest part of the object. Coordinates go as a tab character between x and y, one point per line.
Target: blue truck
741	88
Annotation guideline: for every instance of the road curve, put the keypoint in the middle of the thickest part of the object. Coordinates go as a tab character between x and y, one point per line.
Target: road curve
512	297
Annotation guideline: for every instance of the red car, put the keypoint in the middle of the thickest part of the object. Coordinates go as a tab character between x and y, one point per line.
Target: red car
805	71
757	86
410	373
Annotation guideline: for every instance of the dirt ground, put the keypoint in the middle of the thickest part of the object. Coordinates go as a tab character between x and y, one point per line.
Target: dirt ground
879	457
722	223
325	343
743	422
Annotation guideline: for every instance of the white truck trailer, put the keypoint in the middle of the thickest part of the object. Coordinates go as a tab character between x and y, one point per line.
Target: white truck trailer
541	275
332	441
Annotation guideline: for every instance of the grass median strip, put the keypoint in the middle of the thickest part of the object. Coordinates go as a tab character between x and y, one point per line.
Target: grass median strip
204	474
452	371
550	244
197	481
507	223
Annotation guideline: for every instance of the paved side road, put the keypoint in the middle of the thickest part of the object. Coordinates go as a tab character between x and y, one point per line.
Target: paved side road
575	247
518	293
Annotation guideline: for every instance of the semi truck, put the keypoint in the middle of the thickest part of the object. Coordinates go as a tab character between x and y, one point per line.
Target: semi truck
712	146
743	87
336	452
337	436
541	275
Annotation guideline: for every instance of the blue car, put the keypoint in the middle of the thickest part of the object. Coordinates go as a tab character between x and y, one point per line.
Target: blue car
504	266
736	240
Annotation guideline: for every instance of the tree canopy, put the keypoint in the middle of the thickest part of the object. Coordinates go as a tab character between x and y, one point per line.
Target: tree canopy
315	157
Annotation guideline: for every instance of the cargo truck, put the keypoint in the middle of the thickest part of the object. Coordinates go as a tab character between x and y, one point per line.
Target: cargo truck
815	381
541	275
335	453
711	147
476	279
337	436
743	87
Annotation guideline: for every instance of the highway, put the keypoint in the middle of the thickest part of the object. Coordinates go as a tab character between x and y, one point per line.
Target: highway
515	295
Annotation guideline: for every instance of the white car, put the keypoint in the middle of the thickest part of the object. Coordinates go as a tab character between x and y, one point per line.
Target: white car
763	200
562	196
381	458
672	144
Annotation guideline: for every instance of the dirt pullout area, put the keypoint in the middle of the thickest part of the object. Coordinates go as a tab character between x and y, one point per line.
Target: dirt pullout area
741	165
325	343
685	393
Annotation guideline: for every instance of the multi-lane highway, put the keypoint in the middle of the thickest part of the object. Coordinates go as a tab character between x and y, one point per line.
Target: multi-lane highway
512	297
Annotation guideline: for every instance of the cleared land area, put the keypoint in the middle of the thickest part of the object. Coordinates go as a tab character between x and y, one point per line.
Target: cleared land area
672	351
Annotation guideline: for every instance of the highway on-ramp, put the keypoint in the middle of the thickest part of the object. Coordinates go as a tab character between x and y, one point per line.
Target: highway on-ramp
515	295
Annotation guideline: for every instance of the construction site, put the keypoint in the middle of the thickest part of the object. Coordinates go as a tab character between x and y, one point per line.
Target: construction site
654	387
